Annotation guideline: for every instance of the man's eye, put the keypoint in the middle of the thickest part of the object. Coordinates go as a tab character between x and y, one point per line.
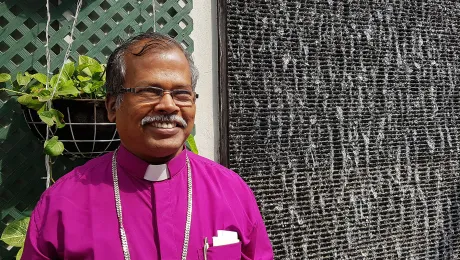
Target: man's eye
149	91
182	94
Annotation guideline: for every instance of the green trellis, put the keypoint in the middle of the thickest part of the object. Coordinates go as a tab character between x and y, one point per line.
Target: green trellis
101	26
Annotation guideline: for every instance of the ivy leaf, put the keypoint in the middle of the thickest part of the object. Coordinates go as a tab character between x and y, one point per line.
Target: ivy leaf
58	117
40	77
15	232
22	80
96	86
98	76
97	68
19	254
89	70
54	81
35	89
88	66
87	87
30	101
44	95
81	67
68	70
53	146
4	77
52	116
191	144
104	67
82	59
46	117
67	88
83	78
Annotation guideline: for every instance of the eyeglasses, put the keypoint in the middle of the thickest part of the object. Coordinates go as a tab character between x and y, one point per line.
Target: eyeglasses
149	94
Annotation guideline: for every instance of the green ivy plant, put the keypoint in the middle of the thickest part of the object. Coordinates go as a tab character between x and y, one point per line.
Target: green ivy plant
15	234
82	80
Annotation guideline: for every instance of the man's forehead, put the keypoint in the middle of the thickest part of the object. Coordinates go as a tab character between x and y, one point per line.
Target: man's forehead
149	46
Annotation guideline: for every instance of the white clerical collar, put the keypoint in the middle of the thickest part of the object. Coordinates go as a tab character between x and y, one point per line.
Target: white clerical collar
158	172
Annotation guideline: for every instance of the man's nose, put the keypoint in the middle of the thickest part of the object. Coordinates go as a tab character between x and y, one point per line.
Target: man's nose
166	103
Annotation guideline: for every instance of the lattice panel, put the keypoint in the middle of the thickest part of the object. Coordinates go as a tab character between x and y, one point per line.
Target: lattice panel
101	26
344	118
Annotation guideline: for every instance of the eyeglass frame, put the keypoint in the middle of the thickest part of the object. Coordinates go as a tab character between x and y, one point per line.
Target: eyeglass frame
163	92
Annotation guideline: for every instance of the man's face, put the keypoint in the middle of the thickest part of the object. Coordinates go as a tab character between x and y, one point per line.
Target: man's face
153	142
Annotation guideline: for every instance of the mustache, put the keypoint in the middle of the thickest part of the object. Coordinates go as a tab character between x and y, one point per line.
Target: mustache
165	119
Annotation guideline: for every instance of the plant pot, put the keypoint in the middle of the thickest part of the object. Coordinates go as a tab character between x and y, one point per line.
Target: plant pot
87	132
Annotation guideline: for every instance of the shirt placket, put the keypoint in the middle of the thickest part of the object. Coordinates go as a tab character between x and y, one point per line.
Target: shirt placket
163	204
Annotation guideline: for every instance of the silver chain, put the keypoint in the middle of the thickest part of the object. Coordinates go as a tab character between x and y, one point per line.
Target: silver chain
116	189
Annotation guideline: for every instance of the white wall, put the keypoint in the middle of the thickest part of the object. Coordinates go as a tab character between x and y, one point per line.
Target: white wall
204	35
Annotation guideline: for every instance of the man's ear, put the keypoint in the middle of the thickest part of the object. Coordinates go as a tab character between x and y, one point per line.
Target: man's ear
110	105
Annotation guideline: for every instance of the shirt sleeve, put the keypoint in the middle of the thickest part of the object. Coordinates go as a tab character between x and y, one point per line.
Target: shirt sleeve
259	247
34	246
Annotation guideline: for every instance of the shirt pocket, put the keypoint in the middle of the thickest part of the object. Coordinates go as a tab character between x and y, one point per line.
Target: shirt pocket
226	252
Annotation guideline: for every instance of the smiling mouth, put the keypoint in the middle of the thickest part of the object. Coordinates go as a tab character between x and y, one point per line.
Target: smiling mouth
164	125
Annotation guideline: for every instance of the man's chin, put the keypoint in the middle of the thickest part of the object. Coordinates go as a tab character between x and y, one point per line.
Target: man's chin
165	147
156	153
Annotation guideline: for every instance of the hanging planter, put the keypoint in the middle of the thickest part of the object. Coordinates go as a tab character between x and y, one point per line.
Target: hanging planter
87	131
70	106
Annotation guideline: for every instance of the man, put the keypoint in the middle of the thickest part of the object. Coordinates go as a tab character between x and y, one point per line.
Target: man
151	199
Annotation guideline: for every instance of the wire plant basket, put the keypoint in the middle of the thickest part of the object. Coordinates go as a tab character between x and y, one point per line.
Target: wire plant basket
87	133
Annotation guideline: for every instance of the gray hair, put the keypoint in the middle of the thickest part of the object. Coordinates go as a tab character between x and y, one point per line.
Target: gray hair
116	67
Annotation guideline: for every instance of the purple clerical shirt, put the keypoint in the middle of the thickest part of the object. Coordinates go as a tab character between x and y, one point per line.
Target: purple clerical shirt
76	217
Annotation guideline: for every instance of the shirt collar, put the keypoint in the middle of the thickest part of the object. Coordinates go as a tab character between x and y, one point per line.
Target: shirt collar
137	167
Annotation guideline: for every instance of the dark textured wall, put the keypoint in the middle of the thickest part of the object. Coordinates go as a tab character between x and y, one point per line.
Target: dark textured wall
343	118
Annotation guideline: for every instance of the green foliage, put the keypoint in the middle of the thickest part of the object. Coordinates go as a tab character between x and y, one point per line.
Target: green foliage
19	254
51	117
190	143
84	80
40	77
15	232
4	77
53	146
30	101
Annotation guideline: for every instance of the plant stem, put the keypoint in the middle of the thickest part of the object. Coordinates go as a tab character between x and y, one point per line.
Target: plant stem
17	92
49	167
